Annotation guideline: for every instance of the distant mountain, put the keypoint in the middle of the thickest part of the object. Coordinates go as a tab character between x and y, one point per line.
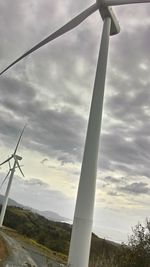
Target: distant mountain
50	215
11	202
53	216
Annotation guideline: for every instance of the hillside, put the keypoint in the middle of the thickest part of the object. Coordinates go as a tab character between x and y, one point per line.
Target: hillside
53	216
53	235
18	249
11	202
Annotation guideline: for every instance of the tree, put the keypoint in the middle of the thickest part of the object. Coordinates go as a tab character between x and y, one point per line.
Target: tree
137	252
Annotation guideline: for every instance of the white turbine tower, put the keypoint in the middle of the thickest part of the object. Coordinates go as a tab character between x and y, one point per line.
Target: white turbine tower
83	217
11	172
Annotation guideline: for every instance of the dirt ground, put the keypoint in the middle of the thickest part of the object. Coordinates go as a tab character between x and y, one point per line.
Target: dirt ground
3	250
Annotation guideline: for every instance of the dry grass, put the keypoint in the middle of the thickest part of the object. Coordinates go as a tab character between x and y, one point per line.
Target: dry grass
3	249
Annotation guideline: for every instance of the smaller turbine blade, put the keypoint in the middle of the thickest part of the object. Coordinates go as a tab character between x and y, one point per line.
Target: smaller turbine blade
67	27
124	2
19	168
4	179
19	140
9	165
6	160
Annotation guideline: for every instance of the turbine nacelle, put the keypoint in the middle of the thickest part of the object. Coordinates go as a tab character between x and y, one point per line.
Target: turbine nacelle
106	11
17	157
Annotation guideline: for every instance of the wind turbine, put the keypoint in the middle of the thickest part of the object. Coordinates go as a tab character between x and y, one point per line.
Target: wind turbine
11	172
83	217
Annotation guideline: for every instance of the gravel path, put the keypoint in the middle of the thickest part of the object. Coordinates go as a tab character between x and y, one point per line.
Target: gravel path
24	255
18	256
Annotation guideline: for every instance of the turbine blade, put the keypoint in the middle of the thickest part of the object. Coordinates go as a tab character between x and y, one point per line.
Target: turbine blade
19	168
9	165
6	160
124	2
19	140
4	179
67	27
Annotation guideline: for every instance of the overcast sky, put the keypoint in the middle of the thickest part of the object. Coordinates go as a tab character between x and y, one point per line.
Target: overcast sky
51	90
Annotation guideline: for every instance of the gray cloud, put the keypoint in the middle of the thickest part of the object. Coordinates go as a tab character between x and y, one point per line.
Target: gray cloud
35	182
52	88
52	132
37	194
113	193
136	188
44	161
125	143
110	179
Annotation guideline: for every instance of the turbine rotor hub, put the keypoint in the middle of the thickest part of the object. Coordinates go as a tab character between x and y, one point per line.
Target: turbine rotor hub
106	11
101	3
17	157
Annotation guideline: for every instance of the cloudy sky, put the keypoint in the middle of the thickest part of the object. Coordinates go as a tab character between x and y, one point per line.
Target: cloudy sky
51	90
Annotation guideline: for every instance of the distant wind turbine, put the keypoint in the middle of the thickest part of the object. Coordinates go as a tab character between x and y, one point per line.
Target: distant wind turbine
11	173
83	218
